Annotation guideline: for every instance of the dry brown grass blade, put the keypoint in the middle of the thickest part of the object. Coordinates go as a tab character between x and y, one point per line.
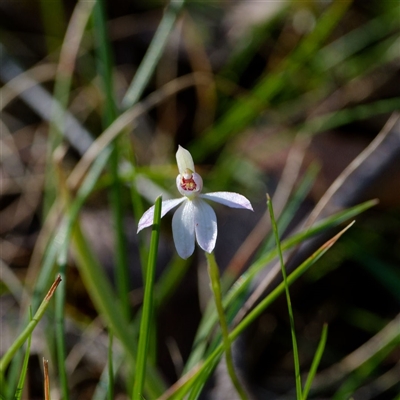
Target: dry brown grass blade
46	379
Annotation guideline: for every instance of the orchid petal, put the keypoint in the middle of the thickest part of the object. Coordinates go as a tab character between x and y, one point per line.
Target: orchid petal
184	160
148	216
183	229
230	199
205	225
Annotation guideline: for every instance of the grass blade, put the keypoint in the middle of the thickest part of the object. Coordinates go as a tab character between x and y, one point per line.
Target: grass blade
213	273
105	67
107	306
60	334
8	355
21	381
254	314
288	300
147	311
316	361
210	317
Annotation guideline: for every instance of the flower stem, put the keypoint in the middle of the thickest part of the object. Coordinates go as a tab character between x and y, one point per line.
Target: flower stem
216	288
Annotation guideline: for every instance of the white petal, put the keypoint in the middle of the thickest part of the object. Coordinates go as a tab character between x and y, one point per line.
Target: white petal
205	225
183	229
184	160
148	216
234	200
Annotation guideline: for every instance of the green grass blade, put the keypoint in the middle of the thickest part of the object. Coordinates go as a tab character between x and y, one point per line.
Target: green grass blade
316	361
242	284
290	279
16	345
105	67
24	369
107	306
216	288
360	38
363	373
288	300
60	333
244	111
102	391
339	118
292	206
153	54
147	311
256	312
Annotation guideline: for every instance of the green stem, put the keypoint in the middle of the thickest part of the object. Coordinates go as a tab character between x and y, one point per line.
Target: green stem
20	386
60	333
316	360
102	295
208	364
145	323
105	62
216	287
289	303
5	360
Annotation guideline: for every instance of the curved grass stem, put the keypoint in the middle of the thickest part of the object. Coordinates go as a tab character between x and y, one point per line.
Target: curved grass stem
216	288
289	303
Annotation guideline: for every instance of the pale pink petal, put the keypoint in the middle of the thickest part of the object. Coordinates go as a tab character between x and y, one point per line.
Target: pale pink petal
148	216
205	225
183	229
234	200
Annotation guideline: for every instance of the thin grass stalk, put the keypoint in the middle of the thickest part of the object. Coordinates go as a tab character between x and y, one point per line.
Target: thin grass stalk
213	273
288	300
18	343
316	361
257	311
24	369
147	310
60	333
153	54
105	63
108	307
210	319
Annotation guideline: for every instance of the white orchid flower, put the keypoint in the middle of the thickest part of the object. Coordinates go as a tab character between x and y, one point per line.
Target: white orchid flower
194	219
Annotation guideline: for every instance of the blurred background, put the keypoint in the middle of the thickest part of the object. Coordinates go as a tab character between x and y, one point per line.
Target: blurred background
263	94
